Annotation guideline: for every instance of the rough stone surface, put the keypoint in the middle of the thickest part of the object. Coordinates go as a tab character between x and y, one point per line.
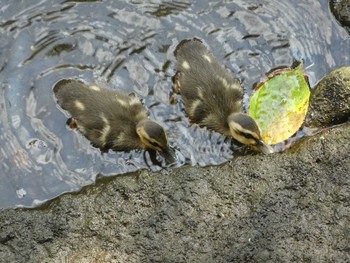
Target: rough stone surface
341	11
330	100
286	207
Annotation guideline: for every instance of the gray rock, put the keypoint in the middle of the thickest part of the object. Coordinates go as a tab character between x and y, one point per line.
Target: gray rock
341	11
286	207
330	100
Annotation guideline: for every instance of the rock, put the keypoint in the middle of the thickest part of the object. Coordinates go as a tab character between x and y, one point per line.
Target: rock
341	11
330	100
287	207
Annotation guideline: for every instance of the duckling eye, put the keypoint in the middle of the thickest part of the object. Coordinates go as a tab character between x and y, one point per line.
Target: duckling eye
246	135
154	143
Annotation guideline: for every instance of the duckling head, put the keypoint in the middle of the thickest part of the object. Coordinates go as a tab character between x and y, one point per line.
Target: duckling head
153	136
245	130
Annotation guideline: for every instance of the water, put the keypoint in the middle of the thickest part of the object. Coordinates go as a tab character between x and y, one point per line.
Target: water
129	45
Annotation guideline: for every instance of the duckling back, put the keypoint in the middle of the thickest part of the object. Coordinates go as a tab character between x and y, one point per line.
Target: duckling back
108	118
209	92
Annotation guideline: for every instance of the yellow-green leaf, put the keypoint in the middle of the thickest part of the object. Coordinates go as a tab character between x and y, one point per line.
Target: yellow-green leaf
280	105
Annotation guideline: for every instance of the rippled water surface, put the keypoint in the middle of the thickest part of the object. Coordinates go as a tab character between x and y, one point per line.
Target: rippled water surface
129	45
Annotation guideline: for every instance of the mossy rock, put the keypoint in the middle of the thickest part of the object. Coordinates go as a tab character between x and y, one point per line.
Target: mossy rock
330	100
341	11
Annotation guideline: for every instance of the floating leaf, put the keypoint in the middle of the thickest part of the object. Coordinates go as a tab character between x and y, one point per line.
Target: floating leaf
280	105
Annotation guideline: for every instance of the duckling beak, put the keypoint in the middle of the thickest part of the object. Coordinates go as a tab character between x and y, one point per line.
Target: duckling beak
264	148
169	155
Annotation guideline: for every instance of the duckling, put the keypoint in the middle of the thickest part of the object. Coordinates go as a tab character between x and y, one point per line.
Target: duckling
212	97
111	119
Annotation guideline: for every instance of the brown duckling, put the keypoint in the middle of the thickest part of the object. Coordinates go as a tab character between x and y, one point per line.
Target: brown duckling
212	97
111	119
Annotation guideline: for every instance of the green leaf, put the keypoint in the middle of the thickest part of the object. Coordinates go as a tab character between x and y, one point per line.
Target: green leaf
280	105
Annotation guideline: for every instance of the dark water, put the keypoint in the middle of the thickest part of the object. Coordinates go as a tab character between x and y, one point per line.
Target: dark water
129	45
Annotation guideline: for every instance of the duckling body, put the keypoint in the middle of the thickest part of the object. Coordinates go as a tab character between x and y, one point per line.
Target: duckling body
212	97
109	118
209	92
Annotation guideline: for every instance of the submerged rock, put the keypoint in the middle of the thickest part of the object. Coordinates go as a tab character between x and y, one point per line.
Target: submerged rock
330	100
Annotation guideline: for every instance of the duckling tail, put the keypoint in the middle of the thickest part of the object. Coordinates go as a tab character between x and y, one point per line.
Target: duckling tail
183	43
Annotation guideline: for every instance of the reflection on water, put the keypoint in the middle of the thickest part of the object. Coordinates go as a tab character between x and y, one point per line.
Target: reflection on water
129	45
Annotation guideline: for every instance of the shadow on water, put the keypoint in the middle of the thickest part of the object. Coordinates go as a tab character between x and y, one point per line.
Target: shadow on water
129	46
